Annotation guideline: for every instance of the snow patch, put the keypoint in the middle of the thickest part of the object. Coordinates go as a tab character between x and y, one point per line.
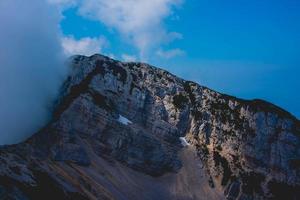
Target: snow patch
183	141
124	120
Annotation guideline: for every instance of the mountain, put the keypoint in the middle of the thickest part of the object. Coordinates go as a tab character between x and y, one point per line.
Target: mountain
133	131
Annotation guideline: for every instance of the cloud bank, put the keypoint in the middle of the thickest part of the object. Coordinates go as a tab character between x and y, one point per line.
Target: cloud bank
31	66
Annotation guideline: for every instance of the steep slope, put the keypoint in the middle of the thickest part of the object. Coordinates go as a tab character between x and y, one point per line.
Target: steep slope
116	131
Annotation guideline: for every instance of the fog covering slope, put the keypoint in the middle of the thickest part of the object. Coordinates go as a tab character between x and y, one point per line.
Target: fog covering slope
31	67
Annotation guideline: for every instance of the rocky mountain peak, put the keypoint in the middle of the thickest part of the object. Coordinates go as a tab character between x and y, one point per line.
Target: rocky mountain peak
118	131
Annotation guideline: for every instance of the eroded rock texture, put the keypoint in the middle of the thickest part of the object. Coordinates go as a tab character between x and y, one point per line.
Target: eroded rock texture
238	149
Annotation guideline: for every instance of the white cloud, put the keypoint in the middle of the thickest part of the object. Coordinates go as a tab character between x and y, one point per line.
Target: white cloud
128	58
139	22
31	66
170	53
84	46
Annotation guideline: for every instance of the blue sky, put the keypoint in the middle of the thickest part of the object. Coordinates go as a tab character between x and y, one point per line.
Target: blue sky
248	49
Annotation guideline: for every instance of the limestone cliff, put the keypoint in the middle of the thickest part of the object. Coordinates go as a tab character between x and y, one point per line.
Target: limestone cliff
115	134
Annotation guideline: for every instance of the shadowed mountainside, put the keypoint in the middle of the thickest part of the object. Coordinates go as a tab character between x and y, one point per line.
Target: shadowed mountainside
115	134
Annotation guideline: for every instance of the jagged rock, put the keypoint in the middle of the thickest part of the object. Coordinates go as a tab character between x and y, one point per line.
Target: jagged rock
238	149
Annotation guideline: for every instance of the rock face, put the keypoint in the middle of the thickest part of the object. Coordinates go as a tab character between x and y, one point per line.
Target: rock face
237	150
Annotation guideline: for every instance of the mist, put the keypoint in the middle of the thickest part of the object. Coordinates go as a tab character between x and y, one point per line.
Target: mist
31	67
